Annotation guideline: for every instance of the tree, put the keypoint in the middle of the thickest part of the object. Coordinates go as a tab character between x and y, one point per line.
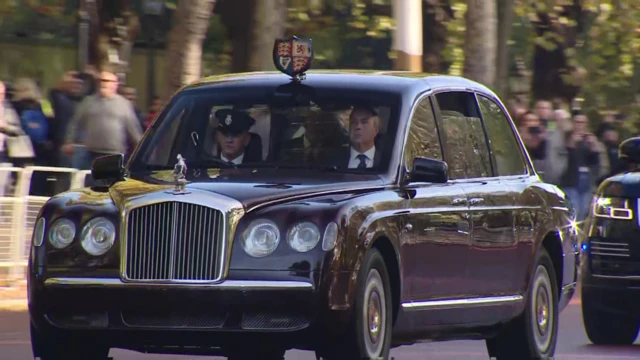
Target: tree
480	46
556	72
435	16
505	24
252	27
113	27
184	47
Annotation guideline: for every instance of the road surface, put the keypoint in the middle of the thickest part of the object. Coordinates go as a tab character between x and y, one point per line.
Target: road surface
572	345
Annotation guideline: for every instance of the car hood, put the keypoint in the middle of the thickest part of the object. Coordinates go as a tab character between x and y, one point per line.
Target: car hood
252	187
622	185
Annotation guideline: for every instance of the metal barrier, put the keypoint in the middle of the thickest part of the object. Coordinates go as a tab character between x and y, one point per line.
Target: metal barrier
20	201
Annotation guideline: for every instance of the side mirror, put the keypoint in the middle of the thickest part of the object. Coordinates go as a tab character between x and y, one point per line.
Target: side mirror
629	150
429	170
108	169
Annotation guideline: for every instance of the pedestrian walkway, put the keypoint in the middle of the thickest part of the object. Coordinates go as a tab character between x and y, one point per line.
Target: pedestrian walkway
14	297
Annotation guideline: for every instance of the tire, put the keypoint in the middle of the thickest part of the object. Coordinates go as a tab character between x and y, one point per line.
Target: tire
534	333
369	335
53	348
604	328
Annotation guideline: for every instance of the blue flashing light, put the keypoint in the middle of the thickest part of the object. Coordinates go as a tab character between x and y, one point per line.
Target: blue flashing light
584	247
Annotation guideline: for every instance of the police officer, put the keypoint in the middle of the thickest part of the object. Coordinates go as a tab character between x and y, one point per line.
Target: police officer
233	135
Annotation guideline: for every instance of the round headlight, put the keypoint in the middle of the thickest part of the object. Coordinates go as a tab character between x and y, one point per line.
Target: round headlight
303	236
261	238
98	236
62	233
38	232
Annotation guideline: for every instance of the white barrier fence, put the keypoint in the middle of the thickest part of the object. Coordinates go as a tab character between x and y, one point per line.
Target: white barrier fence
20	201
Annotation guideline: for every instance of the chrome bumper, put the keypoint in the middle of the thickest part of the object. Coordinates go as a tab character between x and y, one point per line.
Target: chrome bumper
248	285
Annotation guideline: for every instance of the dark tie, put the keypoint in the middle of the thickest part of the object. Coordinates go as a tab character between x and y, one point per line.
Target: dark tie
363	161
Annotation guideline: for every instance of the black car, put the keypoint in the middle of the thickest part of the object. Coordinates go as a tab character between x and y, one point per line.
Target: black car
610	261
339	212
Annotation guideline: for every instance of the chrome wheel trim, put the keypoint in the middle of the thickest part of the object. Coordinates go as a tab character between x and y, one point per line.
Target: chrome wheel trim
374	315
542	309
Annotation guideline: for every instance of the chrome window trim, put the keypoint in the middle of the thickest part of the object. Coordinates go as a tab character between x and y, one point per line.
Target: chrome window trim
401	170
231	209
251	285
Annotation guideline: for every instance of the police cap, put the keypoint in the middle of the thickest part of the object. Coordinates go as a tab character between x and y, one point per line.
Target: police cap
234	122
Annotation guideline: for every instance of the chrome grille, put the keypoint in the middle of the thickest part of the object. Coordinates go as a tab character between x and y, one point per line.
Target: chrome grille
173	241
610	249
613	259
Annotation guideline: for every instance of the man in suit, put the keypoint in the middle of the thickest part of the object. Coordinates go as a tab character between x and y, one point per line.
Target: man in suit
364	125
233	135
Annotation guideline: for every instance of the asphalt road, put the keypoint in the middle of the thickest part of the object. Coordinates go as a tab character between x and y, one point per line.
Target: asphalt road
572	345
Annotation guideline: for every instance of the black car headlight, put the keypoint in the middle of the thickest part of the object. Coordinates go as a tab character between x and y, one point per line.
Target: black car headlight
303	236
62	233
261	238
98	236
612	208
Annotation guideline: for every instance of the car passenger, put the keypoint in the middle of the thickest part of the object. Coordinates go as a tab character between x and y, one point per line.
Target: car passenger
364	125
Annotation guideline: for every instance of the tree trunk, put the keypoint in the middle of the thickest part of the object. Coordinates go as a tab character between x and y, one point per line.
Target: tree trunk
269	19
113	27
184	48
435	15
505	25
253	25
480	46
554	74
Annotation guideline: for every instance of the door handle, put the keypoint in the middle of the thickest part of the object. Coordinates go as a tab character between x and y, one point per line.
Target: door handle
476	201
459	201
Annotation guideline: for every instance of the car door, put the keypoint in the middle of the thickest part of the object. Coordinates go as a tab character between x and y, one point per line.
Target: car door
510	165
435	239
491	202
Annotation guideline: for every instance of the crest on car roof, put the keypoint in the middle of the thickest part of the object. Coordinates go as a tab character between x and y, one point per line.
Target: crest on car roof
293	56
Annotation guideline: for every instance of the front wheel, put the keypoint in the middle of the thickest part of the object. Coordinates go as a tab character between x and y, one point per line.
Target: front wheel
532	335
605	328
369	334
50	348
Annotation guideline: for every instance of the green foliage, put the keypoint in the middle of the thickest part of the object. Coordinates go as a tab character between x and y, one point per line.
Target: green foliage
345	35
611	57
54	23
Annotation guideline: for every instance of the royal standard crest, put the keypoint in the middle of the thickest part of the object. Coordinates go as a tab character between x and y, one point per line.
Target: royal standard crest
293	56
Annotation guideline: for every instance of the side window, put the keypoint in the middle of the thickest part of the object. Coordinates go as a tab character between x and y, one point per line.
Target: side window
502	139
464	141
423	139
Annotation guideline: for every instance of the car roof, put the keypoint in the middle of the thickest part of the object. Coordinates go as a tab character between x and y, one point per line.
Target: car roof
394	81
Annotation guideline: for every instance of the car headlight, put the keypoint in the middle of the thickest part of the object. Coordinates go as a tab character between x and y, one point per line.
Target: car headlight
62	233
98	236
38	232
303	236
613	208
330	236
261	238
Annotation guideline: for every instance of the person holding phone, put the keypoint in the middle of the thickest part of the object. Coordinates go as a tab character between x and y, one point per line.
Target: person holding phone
534	136
583	162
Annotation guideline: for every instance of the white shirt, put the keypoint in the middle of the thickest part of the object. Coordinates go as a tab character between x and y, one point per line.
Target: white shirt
354	161
237	161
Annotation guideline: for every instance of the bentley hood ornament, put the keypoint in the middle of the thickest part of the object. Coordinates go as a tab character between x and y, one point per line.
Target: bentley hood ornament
179	175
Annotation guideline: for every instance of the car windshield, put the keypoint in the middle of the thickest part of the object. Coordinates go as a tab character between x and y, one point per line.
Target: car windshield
250	127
